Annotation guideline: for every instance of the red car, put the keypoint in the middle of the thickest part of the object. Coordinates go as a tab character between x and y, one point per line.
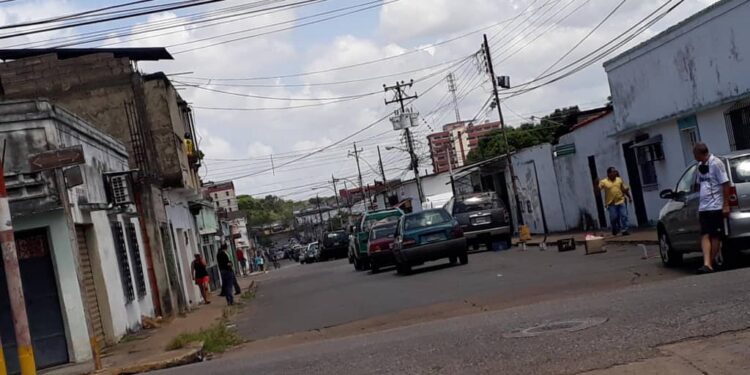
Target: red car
379	249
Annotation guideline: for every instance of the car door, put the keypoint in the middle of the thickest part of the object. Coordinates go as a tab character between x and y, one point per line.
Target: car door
682	223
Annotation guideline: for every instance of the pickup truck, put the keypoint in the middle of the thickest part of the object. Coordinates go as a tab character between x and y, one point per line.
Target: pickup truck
361	234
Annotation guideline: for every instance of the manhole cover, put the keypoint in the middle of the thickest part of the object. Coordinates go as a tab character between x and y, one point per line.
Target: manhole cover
572	325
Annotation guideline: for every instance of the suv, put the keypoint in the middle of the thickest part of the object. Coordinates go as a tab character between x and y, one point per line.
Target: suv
678	227
334	245
361	234
483	218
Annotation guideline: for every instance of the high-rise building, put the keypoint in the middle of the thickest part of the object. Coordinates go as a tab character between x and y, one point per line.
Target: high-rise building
450	147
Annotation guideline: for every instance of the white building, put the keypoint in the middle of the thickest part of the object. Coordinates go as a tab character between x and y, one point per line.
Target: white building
223	195
689	83
105	252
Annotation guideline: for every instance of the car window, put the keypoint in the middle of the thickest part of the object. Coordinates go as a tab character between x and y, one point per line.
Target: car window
740	169
371	221
425	219
383	232
687	181
472	205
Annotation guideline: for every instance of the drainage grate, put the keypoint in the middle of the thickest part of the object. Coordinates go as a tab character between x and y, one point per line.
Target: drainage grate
549	328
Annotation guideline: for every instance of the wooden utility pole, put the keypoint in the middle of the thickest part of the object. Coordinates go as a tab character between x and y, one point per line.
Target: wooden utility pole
509	161
359	173
401	96
385	181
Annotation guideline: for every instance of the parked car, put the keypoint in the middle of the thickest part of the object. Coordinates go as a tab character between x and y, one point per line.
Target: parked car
335	245
280	254
361	234
309	254
483	217
379	245
426	236
678	227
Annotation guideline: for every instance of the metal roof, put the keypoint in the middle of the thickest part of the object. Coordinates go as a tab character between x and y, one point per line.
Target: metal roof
142	54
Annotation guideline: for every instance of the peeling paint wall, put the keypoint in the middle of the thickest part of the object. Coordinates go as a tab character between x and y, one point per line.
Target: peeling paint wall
702	63
529	194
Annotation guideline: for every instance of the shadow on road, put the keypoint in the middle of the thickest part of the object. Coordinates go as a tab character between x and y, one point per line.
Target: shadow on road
693	261
430	268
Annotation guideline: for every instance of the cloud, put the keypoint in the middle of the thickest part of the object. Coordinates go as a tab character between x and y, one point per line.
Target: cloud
307	145
257	149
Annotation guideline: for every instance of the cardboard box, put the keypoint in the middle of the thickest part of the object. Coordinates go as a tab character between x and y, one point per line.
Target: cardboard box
595	246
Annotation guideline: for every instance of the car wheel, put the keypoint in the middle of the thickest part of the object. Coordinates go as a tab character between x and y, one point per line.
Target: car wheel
508	240
403	269
463	258
669	256
357	265
453	259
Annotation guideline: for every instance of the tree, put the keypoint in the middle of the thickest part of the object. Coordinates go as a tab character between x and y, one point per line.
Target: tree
271	209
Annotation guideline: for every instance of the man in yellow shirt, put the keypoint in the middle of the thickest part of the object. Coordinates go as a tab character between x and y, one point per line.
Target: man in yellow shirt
615	194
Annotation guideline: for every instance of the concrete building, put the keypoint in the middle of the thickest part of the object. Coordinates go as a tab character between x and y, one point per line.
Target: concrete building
688	83
105	254
538	189
223	195
450	147
146	113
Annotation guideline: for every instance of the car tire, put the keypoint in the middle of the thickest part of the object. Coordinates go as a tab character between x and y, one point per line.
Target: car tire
403	269
357	265
508	239
453	259
463	258
669	256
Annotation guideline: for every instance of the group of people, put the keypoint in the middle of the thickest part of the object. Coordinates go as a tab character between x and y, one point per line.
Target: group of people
712	185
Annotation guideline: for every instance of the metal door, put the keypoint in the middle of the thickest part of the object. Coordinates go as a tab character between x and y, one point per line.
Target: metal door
42	304
89	299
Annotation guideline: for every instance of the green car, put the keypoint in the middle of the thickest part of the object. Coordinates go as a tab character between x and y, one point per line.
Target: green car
361	234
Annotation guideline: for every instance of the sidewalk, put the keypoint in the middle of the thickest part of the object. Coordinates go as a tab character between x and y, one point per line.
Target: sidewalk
722	354
638	236
146	350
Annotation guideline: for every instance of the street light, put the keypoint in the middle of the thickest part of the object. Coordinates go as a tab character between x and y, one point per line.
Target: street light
389	148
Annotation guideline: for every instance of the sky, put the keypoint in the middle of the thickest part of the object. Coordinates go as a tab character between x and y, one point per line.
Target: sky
271	87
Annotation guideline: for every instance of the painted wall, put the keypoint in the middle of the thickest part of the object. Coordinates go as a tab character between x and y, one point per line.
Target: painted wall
700	63
529	194
184	233
70	294
577	194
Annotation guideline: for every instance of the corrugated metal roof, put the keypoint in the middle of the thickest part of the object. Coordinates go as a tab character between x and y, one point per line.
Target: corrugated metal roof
135	54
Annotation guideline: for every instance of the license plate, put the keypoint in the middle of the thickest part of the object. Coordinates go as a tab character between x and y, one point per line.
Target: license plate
481	220
434	237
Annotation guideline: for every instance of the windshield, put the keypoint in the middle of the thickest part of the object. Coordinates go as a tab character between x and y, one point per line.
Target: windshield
381	232
474	204
740	169
371	221
426	219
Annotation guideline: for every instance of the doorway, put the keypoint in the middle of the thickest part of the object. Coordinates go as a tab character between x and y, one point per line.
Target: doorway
42	298
636	188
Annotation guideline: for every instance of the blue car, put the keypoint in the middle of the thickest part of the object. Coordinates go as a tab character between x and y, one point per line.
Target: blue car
426	236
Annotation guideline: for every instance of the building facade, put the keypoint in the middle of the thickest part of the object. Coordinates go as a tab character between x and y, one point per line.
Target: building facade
450	147
95	276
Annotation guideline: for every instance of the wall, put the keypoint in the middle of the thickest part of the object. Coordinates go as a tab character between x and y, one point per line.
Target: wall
699	63
70	292
577	192
183	226
527	188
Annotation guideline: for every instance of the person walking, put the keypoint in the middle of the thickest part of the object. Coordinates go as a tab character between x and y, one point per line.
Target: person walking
242	261
713	206
615	194
200	276
227	275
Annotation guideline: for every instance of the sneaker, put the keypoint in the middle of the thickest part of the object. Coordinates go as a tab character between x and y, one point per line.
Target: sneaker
704	270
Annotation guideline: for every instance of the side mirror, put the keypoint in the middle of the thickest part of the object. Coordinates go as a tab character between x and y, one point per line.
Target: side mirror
667	194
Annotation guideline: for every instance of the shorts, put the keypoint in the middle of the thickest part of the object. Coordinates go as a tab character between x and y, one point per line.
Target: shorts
712	223
201	281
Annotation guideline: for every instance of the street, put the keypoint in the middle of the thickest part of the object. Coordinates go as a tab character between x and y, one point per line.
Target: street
325	318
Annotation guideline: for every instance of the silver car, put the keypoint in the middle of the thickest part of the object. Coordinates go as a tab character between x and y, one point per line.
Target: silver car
678	227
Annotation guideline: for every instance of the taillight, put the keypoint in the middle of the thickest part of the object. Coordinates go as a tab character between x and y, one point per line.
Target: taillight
374	248
733	199
457	232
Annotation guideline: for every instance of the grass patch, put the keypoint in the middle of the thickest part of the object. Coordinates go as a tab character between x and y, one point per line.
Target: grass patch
216	339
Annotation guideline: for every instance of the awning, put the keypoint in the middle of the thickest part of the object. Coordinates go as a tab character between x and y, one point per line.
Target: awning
648	142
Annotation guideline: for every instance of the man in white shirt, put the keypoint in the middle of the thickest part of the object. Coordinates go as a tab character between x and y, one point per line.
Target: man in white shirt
713	184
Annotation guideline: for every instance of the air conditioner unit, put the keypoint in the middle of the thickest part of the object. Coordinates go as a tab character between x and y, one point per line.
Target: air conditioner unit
119	188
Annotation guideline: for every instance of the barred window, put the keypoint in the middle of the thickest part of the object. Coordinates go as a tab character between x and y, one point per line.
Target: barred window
122	261
135	260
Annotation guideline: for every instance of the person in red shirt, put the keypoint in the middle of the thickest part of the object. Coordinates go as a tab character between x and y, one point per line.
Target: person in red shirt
200	276
242	260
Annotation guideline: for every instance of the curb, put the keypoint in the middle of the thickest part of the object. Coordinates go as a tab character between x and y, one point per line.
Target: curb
613	241
192	353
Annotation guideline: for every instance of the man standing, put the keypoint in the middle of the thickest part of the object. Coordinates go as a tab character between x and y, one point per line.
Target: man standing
615	193
227	276
713	184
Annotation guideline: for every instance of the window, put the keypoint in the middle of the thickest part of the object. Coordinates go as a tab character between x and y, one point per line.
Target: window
687	181
737	119
135	260
689	136
648	151
122	261
227	193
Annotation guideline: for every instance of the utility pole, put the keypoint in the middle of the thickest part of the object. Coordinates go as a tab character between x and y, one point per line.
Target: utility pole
400	97
359	171
452	89
15	287
338	205
320	213
385	181
509	161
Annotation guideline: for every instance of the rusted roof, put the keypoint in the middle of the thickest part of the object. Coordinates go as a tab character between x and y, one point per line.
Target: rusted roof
135	54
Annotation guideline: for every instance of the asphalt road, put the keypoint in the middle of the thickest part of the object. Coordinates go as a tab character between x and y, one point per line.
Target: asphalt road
322	295
633	305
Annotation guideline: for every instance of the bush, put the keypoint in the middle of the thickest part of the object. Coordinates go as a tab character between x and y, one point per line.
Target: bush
216	339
